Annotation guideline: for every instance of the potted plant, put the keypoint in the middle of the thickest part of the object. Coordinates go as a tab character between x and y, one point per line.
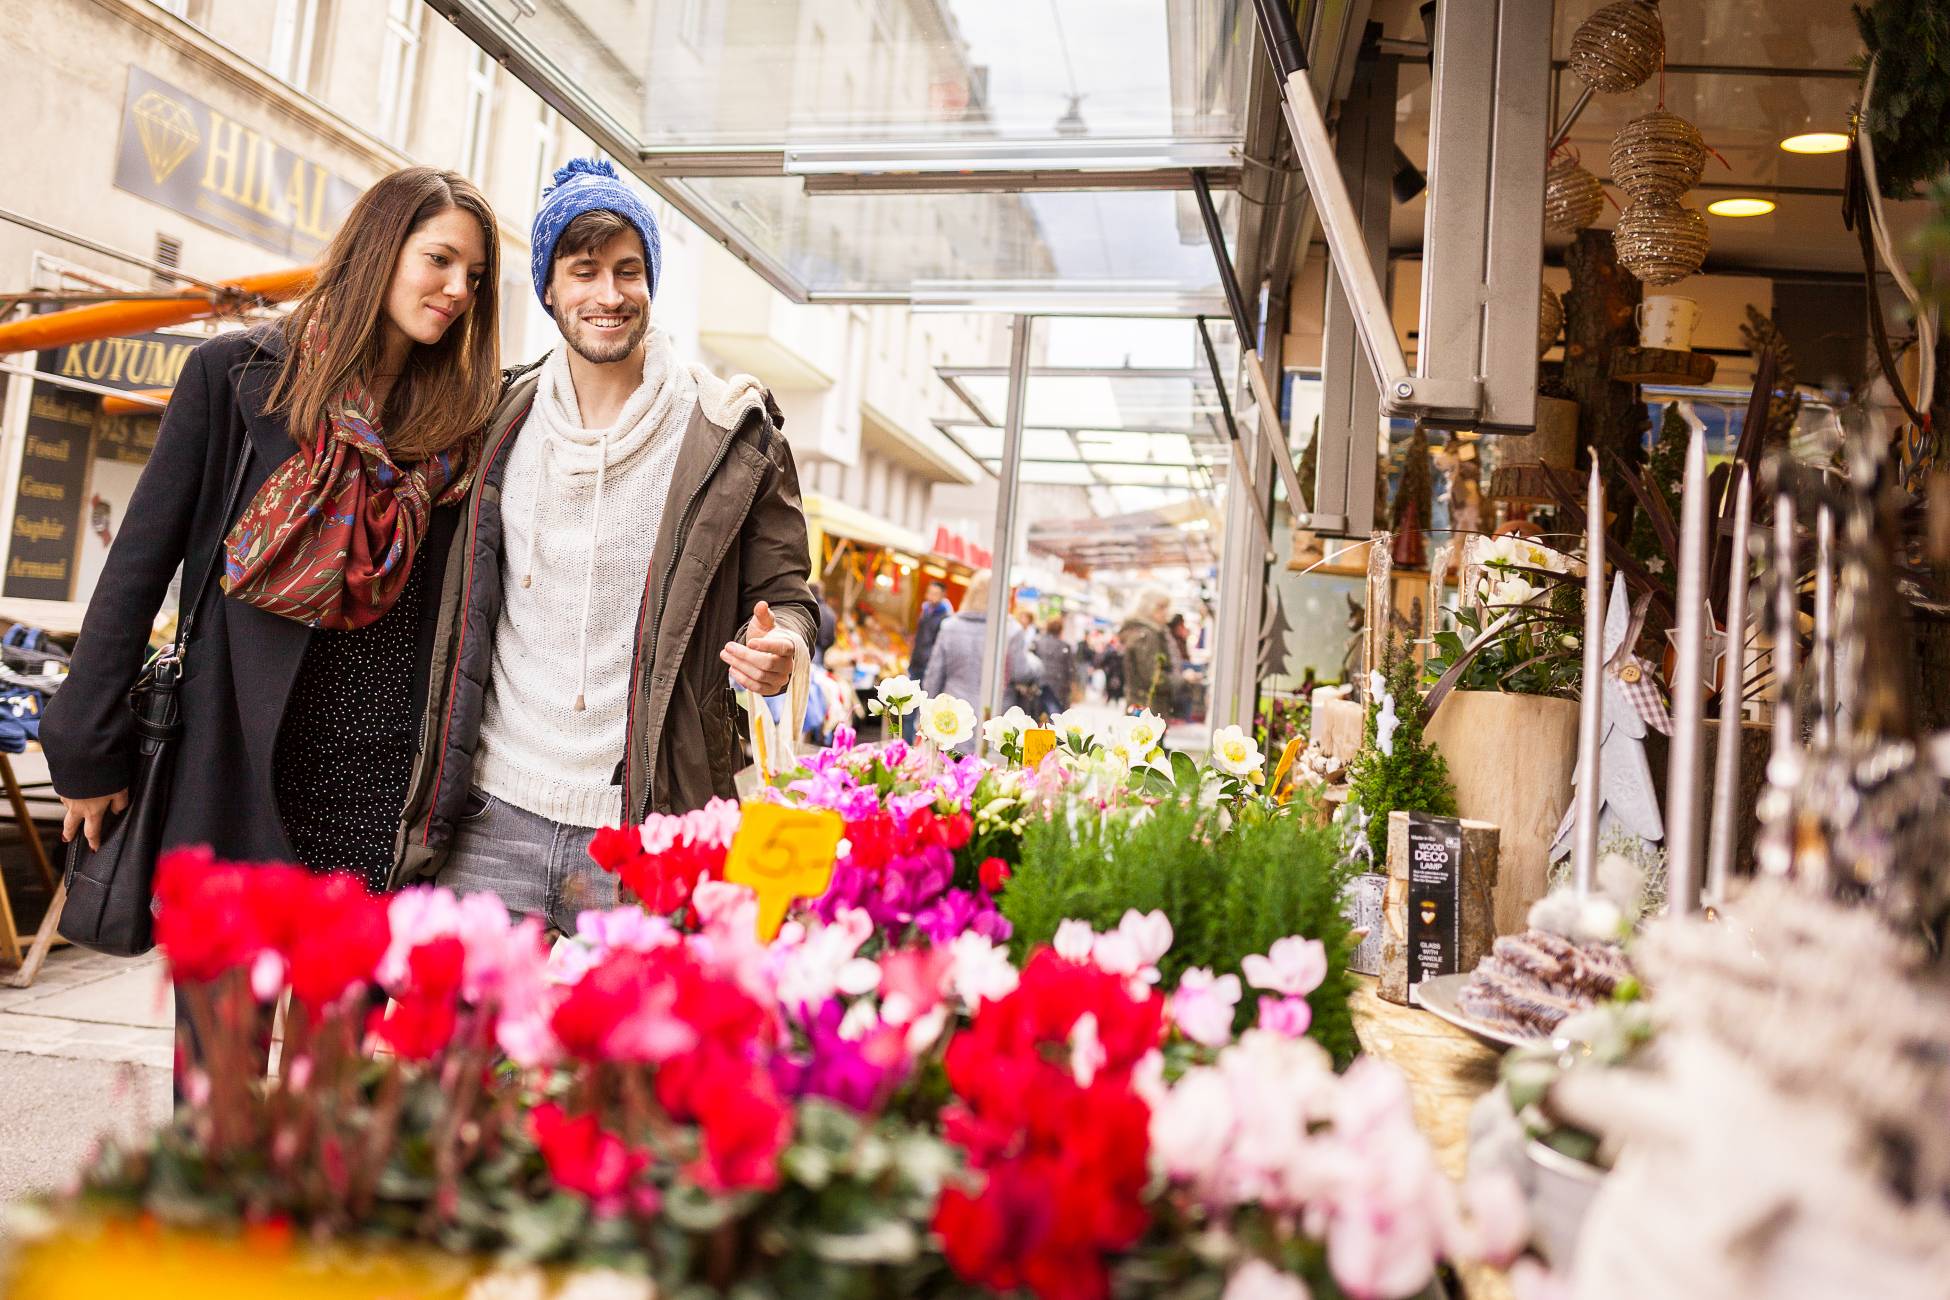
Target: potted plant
1506	719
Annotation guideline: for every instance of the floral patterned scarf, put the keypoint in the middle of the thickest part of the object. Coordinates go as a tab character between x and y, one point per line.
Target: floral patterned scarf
329	540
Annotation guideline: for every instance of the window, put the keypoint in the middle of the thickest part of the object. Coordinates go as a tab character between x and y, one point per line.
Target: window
479	116
546	144
169	253
294	41
399	68
190	11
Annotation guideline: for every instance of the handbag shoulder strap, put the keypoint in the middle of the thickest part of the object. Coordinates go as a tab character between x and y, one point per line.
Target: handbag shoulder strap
186	612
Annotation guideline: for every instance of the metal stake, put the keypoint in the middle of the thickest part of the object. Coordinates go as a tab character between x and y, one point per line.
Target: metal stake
1683	821
1733	682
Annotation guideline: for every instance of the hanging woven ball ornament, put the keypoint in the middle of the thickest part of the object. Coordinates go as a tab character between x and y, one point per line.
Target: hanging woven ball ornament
1619	47
1660	241
1573	197
1550	318
1658	156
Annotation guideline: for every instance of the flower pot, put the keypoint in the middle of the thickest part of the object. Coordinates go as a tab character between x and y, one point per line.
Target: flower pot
87	1258
1511	758
1559	1190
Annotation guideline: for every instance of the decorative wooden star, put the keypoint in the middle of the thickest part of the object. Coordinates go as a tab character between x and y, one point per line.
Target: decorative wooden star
1714	648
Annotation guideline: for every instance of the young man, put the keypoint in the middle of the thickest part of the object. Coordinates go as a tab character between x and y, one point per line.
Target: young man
634	545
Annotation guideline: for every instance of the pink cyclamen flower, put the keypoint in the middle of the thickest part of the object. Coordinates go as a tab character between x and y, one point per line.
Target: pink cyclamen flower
1074	941
1150	932
1288	1017
1294	966
1203	1005
1499	1217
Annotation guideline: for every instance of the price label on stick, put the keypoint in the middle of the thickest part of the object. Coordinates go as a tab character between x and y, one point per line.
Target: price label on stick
1037	742
1285	765
783	854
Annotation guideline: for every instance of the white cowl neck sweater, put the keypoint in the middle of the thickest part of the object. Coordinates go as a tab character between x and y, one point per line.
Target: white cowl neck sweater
581	510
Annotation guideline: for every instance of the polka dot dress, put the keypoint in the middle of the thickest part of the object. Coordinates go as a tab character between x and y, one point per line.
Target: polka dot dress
345	751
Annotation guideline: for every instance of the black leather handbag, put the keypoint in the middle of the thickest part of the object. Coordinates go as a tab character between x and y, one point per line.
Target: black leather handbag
111	890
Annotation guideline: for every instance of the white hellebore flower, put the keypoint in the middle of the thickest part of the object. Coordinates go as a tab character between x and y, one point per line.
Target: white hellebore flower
1005	729
1513	591
900	695
1234	753
947	721
1073	725
1143	733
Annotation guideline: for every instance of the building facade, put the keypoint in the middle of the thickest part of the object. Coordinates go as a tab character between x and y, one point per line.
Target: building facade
227	137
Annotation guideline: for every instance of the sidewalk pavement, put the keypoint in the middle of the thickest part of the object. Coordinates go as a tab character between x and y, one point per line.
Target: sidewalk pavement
85	1052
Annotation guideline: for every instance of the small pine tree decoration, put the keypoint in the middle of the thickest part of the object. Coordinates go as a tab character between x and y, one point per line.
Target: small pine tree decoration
1396	769
1665	468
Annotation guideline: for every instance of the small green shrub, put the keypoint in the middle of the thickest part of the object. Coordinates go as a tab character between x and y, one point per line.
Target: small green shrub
1229	891
1412	776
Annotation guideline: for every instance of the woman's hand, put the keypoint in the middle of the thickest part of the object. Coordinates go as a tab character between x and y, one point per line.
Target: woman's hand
87	816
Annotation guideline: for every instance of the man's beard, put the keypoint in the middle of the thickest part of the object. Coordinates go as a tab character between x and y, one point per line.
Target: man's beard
606	353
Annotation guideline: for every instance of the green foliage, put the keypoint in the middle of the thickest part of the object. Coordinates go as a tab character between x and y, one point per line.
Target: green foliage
1278	721
1909	121
1230	890
1412	776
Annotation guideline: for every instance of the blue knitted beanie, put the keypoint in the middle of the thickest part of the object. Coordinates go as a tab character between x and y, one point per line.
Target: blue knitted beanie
588	185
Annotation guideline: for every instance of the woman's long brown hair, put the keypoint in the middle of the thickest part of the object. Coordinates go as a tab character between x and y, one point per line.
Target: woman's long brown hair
447	391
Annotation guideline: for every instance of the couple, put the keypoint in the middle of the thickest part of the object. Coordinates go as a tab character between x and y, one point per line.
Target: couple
465	618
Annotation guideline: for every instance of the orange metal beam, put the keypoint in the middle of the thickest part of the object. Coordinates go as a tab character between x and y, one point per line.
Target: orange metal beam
114	319
128	406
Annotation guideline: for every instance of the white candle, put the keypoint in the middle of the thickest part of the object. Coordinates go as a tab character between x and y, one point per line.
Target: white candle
1584	860
1824	626
1683	773
1787	615
1733	685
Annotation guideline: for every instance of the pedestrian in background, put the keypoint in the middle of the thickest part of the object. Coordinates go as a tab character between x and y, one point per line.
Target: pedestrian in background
955	659
1148	651
1059	667
323	459
935	610
829	623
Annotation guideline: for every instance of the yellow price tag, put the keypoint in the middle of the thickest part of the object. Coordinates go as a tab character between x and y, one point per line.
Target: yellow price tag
1037	742
1287	756
782	854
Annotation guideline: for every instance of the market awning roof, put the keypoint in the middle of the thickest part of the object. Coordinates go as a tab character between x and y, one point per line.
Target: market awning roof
936	151
1184	534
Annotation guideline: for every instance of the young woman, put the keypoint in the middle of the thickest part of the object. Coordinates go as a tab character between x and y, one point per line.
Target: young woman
356	423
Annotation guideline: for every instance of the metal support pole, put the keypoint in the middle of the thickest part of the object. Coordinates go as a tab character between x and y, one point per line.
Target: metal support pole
1252	493
994	679
1242	322
1350	404
1571	116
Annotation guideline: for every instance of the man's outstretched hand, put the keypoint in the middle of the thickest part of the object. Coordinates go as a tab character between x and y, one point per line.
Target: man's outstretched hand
764	662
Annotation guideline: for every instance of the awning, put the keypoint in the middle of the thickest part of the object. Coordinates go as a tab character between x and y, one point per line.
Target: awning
826	517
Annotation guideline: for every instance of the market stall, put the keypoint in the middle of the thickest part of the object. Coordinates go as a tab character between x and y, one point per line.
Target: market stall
1586	941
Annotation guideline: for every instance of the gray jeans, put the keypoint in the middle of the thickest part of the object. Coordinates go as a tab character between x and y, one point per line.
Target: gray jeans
536	866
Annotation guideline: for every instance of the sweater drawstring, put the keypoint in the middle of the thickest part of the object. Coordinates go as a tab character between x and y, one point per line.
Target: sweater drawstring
535	510
589	573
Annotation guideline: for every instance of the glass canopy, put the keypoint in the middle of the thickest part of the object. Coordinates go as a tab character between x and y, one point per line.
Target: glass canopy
947	151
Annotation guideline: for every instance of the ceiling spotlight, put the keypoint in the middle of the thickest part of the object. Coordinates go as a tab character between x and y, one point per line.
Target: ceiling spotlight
1816	142
1408	180
1741	207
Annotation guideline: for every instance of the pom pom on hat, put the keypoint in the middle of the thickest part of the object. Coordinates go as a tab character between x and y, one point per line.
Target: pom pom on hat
575	167
589	185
